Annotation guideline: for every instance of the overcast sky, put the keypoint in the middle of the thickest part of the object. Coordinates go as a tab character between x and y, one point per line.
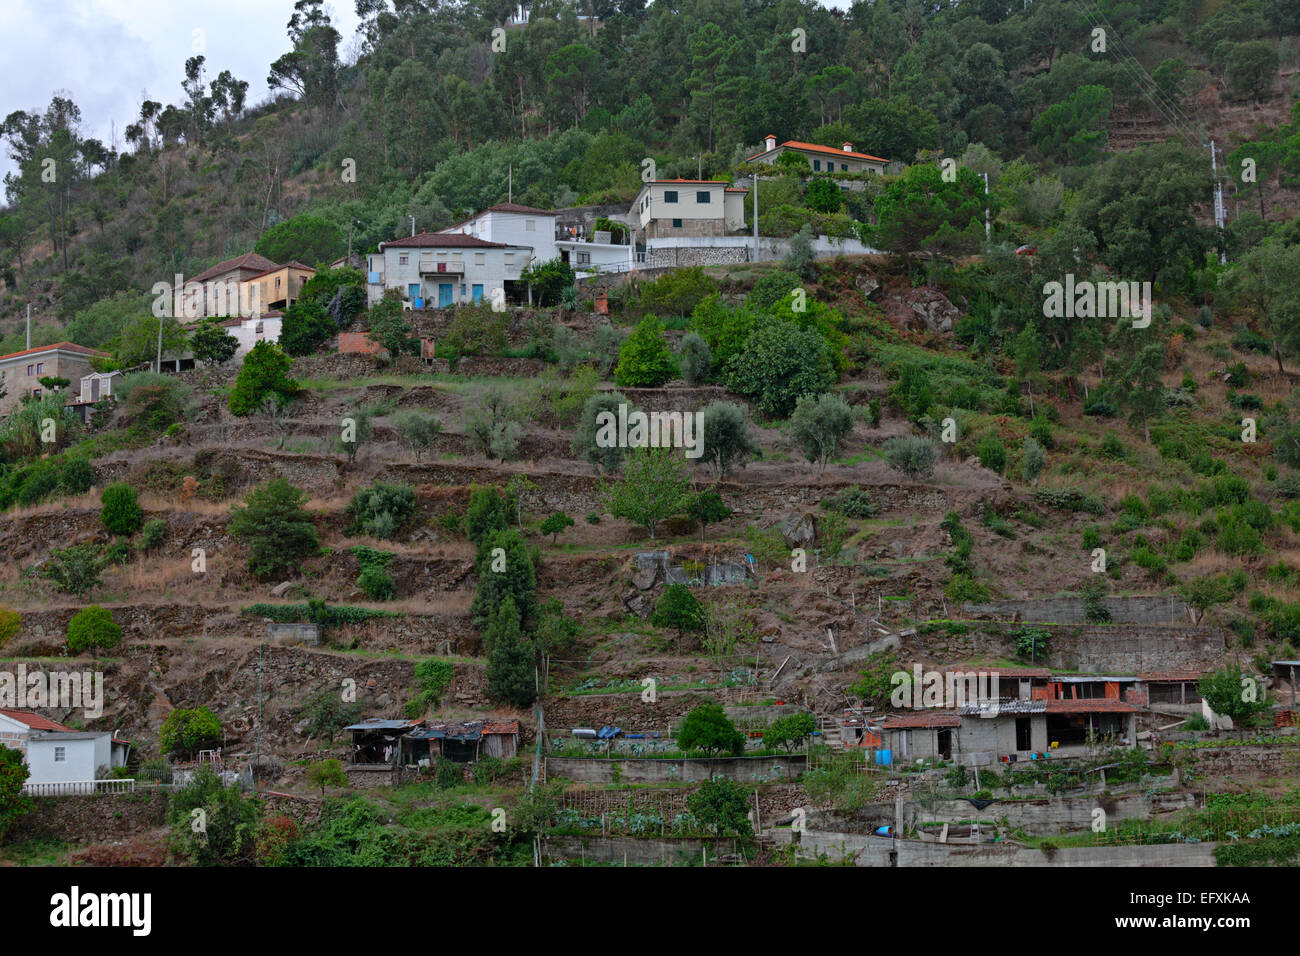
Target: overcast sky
110	55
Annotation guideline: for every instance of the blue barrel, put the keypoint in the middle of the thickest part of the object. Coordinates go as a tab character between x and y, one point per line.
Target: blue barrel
884	757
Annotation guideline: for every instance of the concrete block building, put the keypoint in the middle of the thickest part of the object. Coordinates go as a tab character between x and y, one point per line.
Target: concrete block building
21	372
436	270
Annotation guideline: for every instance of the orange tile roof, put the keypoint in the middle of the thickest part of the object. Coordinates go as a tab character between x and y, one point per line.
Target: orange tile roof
249	260
814	148
1096	705
65	346
921	721
35	721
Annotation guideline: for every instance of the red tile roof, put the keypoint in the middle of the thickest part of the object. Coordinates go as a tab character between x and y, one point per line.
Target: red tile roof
35	721
922	721
515	207
65	346
705	182
1097	705
450	240
293	264
249	260
501	727
824	150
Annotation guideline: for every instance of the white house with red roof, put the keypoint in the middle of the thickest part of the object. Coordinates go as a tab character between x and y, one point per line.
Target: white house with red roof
514	225
60	759
688	208
822	159
441	269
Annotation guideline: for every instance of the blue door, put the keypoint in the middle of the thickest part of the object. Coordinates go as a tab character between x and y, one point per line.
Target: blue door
444	294
413	291
477	292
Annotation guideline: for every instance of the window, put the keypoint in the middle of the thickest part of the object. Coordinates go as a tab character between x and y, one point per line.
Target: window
402	260
584	258
31	370
60	754
702	196
510	258
530	225
677	224
277	283
480	258
844	167
36	393
817	165
670	195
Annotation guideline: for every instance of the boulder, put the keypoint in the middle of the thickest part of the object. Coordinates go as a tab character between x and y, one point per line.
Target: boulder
868	285
798	531
932	308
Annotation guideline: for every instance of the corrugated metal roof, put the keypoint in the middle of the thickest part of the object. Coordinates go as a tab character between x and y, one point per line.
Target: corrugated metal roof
920	721
378	723
1009	707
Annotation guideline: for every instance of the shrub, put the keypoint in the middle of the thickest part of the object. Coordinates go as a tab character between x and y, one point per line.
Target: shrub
707	508
1095	610
509	574
1224	691
486	513
11	623
772	288
93	629
377	584
153	401
781	362
433	676
275	528
727	440
644	361
992	453
417	429
853	502
819	425
555	523
381	510
653	487
511	665
1032	460
914	456
75	569
694	358
327	773
120	511
305	326
678	292
152	533
708	728
493	425
188	730
679	609
119	552
265	371
604	455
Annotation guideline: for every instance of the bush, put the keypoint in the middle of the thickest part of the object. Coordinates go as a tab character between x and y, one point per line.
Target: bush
853	502
511	661
486	513
417	429
93	629
1095	610
819	425
708	728
305	326
678	292
914	456
381	510
265	371
120	511
679	609
694	358
377	584
275	528
780	363
11	623
433	676
75	569
772	288
188	730
507	575
555	523
152	533
727	440
645	361
1032	460
992	453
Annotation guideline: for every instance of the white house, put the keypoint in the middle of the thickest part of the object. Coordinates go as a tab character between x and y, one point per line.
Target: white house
98	385
673	208
59	759
588	258
822	159
436	270
514	225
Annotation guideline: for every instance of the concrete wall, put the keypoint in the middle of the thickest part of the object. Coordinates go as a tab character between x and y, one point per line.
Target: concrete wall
875	851
659	770
82	758
1053	815
667	851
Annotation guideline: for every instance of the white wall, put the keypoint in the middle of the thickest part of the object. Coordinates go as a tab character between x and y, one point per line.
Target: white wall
246	333
687	205
490	268
512	228
84	757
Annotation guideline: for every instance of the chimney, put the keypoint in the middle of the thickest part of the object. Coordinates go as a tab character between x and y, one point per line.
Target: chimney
848	147
770	142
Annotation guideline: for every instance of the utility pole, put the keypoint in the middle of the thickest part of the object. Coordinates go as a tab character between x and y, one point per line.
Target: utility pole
988	229
755	217
158	365
29	325
257	750
1218	201
412	225
510	183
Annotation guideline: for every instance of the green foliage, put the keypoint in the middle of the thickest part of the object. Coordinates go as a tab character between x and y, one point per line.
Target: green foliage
913	455
789	732
377	584
722	807
781	362
14	804
327	773
227	837
679	609
707	508
74	569
1095	610
505	570
818	425
188	730
920	211
876	684
265	371
653	487
773	287
326	713
486	513
724	329
694	358
275	528
852	502
93	629
390	327
678	292
418	430
1229	693
11	623
1031	643
510	668
709	729
305	327
992	453
152	534
645	360
433	676
727	440
119	510
382	509
305	238
212	344
555	523
548	280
